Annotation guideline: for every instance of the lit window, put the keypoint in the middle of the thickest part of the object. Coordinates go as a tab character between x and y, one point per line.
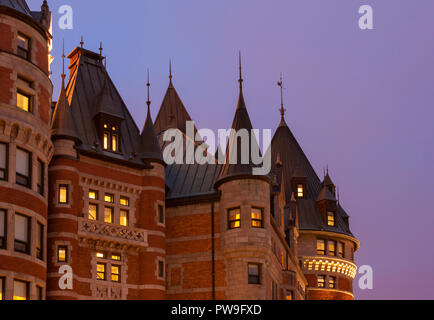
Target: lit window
160	269
332	282
3	161
108	215
254	273
2	289
39	241
289	295
93	194
332	248
63	194
23	49
341	250
106	141
116	257
100	271
257	218
22	233
40	177
92	212
114	142
62	254
2	229
23	167
160	213
124	201
234	217
111	138
321	281
24	101
320	247
124	218
21	290
116	273
108	198
331	218
300	191
100	255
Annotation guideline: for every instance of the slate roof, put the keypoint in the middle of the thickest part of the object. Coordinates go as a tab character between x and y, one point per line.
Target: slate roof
296	164
19	5
149	148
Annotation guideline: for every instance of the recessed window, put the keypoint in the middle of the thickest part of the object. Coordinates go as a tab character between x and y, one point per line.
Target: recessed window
160	214
2	229
320	247
116	257
254	273
62	254
257	218
39	293
100	255
341	250
124	217
321	281
21	290
2	289
39	240
63	196
111	138
300	191
124	201
24	101
23	49
93	194
3	161
22	233
116	273
160	269
109	198
108	215
331	218
40	177
100	271
234	218
92	212
114	142
332	282
331	247
23	167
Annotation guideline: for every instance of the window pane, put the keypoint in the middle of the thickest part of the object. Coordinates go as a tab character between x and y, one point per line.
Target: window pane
125	201
40	177
39	240
331	219
124	218
93	195
300	191
320	247
21	228
253	270
161	269
116	257
160	214
2	224
234	218
63	194
2	156
20	290
39	293
61	254
108	215
321	281
100	271
116	272
114	143
93	209
332	247
2	288
22	162
256	218
23	101
23	42
108	198
106	140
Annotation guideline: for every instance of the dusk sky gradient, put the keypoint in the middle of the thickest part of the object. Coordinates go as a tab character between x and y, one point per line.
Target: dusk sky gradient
359	101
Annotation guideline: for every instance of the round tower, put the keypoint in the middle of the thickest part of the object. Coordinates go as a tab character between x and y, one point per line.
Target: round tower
25	149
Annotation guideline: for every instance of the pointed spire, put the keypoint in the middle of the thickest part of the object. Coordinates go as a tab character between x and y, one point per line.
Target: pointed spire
100	51
240	80
149	148
170	71
81	42
282	109
63	64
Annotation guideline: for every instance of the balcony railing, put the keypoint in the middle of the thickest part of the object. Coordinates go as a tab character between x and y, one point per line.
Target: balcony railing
323	263
110	235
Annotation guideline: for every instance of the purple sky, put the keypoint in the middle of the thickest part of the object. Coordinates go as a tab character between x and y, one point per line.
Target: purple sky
360	101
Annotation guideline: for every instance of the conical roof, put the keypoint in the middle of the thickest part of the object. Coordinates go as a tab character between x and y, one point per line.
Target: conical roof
63	125
149	148
104	103
19	5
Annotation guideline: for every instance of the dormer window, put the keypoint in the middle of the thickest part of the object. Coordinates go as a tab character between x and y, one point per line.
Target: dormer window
111	138
300	191
331	218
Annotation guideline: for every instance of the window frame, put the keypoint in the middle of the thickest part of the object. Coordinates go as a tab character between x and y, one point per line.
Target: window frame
40	251
331	252
323	282
331	222
96	211
112	201
318	251
27	289
29	239
3	239
59	187
29	97
161	269
99	272
332	282
5	170
341	245
2	288
261	221
252	278
112	214
121	211
230	221
109	135
127	199
161	215
298	187
65	248
41	176
22	52
19	175
96	195
116	274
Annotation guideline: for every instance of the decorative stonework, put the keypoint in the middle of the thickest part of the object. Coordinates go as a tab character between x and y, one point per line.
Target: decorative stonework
330	265
113	236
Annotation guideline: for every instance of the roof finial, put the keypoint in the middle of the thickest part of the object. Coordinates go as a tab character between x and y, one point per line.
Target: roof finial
240	80
100	51
63	64
282	109
327	169
81	42
170	70
339	196
148	102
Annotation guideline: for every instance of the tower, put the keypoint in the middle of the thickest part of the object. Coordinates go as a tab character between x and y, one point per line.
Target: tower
25	148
